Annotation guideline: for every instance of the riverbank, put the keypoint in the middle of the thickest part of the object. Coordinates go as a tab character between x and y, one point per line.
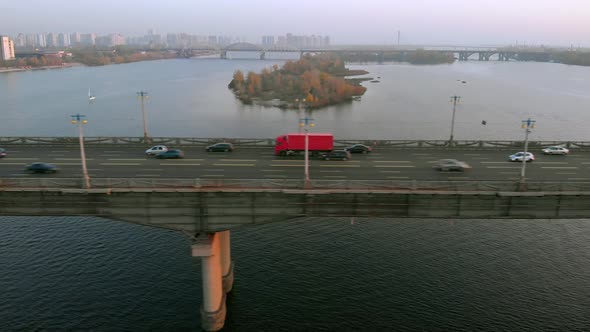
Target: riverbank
27	68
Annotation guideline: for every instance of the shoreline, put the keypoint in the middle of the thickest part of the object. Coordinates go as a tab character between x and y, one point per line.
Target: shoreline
13	69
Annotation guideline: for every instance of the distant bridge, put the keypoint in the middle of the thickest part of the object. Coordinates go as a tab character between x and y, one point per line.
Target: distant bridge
381	52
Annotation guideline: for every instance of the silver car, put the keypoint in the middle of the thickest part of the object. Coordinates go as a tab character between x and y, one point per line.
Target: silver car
556	150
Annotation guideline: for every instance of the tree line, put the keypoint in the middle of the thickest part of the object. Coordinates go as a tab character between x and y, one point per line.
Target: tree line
316	80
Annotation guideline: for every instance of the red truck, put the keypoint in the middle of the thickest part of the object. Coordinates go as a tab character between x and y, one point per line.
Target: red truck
289	144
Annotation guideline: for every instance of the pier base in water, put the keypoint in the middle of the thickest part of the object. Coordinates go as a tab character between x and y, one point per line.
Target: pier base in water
218	277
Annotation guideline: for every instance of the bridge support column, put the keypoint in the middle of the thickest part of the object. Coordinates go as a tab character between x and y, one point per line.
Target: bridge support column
262	55
217	275
227	266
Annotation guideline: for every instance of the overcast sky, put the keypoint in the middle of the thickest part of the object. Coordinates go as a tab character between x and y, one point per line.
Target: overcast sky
431	22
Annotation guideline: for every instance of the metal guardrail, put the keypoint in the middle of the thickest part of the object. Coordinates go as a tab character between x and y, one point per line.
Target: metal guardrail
267	142
286	184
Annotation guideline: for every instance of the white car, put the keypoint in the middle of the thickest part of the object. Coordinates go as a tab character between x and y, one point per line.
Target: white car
154	150
519	155
556	150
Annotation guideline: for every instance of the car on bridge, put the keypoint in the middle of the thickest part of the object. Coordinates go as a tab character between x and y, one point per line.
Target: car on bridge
171	154
2	153
556	150
336	155
359	148
520	155
41	167
220	147
154	150
449	165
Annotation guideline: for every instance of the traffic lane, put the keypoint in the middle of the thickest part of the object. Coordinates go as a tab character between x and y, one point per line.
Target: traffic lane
387	165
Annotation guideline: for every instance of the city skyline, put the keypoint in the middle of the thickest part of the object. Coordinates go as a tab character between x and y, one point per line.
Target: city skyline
448	22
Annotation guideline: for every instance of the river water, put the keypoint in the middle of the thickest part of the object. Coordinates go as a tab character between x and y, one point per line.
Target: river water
190	98
333	274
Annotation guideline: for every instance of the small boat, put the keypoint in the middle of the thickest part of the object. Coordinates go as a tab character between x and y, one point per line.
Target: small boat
90	96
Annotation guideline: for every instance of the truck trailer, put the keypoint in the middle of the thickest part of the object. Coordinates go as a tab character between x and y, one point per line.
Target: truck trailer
294	143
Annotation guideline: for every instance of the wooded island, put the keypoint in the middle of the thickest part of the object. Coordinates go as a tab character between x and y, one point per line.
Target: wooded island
317	81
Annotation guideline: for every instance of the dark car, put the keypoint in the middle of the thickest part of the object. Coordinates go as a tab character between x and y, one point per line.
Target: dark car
336	155
2	153
171	154
449	165
359	148
220	147
41	168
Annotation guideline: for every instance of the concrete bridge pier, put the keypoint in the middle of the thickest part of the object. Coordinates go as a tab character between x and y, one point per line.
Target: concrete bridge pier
217	275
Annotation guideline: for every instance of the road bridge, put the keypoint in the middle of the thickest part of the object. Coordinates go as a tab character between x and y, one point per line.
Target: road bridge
206	195
461	53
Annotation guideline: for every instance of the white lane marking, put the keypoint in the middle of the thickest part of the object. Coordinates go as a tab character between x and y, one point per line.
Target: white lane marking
73	159
67	164
119	164
389	171
566	173
551	162
286	161
300	165
458	177
578	179
60	151
251	160
238	165
511	167
172	164
152	169
213	175
2	164
392	161
213	170
398	177
395	166
270	170
497	162
560	167
21	158
148	175
334	165
473	154
126	159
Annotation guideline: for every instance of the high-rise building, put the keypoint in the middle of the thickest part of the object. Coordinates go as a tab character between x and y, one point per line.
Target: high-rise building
88	39
40	40
20	40
268	40
63	40
75	39
51	39
6	48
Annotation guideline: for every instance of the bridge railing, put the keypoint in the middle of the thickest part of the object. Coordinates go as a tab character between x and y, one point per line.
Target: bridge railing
163	184
269	142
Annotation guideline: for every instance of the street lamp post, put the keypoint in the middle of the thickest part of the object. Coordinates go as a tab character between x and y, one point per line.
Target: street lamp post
78	120
527	125
306	123
455	99
142	95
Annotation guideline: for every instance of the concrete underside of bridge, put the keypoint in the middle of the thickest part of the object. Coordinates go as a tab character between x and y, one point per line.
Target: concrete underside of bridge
202	210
